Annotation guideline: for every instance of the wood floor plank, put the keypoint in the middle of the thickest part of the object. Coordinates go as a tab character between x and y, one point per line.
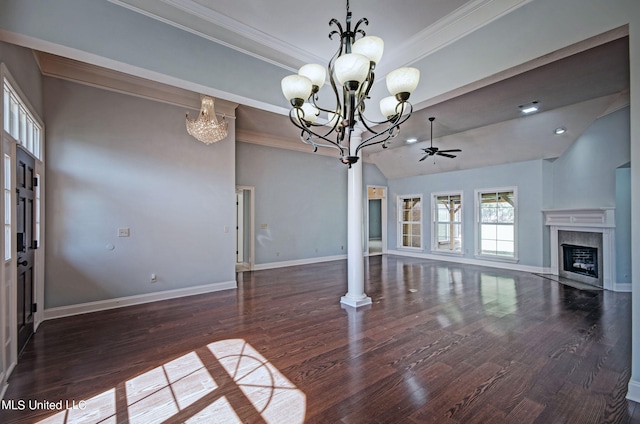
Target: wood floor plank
441	342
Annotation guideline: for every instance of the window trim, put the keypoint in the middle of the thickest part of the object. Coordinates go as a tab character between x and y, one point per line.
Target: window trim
8	202
478	233
399	204
434	222
35	146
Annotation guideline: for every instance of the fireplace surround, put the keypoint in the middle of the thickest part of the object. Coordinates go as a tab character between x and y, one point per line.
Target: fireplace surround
593	231
580	256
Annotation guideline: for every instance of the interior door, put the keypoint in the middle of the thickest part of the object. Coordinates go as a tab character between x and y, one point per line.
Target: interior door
25	244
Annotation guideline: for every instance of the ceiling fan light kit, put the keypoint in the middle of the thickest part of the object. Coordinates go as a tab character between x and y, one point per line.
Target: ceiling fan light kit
351	75
434	151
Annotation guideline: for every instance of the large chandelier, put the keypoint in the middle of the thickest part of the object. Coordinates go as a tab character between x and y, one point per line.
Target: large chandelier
206	127
351	75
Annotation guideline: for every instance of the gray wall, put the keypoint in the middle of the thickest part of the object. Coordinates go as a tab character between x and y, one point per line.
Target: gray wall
300	202
24	70
585	175
371	175
114	161
526	176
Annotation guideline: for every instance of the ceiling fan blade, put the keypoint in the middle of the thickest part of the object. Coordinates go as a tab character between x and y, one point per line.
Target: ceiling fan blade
451	150
446	155
423	158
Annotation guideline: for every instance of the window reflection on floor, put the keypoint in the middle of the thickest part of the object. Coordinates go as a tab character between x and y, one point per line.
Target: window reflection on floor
498	294
193	389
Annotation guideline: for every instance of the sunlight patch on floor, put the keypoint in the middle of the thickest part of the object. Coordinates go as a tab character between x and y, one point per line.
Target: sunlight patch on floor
184	389
271	393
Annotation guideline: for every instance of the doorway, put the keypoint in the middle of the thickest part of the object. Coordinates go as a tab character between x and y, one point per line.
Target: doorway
376	220
245	244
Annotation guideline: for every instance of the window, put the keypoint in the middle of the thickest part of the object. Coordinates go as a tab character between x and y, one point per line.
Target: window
497	222
19	122
410	222
447	223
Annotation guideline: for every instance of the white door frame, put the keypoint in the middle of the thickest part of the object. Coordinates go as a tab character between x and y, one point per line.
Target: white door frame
381	193
250	261
239	227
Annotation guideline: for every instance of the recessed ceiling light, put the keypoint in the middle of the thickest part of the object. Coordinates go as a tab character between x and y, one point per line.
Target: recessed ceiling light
412	140
560	130
529	107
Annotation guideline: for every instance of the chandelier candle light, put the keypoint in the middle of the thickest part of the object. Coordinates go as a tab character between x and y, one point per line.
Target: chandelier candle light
206	127
351	75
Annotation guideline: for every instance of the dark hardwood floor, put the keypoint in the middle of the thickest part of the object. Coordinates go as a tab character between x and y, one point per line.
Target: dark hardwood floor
442	343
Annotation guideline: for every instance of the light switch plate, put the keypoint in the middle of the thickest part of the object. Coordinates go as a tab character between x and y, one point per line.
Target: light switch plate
123	232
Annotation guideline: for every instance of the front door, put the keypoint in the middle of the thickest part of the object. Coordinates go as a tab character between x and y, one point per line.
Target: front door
25	245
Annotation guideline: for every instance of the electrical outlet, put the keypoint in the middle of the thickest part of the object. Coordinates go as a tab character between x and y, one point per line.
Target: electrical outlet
123	232
154	278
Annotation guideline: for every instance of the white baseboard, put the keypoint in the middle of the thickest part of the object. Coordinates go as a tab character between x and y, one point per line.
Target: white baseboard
102	305
493	264
469	261
622	287
634	391
273	265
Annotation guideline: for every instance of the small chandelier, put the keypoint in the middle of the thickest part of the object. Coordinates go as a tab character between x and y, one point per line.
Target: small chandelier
206	127
351	75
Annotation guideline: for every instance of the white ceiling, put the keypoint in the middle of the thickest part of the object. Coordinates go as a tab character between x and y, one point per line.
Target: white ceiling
574	86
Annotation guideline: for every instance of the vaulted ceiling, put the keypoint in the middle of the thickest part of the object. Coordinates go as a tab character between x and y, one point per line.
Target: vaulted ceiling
574	86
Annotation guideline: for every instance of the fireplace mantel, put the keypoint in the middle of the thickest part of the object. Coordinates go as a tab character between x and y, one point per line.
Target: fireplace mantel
595	220
586	217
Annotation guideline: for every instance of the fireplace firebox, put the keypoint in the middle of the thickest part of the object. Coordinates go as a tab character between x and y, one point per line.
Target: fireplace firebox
581	260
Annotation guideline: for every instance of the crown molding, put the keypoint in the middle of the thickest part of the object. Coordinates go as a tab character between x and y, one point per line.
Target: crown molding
279	142
199	20
109	79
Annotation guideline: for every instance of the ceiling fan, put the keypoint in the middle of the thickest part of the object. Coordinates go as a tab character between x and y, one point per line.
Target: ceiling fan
432	151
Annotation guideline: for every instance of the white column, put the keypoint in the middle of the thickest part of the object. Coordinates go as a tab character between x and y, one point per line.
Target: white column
355	296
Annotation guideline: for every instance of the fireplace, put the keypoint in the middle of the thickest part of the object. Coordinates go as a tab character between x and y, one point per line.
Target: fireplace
582	260
582	245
